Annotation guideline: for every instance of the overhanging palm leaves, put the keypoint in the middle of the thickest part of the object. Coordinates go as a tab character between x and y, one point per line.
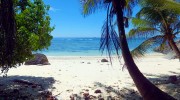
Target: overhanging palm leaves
145	30
154	19
149	43
170	5
142	32
90	6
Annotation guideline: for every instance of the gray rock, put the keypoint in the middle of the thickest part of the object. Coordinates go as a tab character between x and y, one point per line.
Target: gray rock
39	59
97	91
104	60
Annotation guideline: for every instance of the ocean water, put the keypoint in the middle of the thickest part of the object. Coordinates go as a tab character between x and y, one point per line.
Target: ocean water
80	46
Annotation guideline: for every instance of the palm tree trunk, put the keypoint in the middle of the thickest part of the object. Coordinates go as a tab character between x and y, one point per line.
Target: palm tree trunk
174	47
147	90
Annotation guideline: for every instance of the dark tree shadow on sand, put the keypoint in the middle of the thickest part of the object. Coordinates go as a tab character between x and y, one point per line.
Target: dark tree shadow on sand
25	87
165	84
119	94
105	92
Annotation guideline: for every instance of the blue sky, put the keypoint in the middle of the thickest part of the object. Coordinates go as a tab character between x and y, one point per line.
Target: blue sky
68	20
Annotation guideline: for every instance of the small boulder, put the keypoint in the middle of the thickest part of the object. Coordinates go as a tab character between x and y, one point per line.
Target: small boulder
104	60
97	91
38	59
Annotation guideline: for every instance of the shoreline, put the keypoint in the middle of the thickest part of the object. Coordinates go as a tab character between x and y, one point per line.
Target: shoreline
84	56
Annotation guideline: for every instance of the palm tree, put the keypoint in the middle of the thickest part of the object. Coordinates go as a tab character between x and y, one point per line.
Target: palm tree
153	19
109	38
7	34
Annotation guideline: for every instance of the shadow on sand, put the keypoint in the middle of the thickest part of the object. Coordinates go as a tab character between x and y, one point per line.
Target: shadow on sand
119	94
163	82
25	87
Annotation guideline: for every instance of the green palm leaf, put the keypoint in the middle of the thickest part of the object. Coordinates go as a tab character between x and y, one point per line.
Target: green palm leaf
142	32
172	6
155	11
146	45
90	6
150	14
137	22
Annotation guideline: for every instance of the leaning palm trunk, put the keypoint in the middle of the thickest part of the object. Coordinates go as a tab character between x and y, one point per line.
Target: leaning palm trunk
147	90
173	46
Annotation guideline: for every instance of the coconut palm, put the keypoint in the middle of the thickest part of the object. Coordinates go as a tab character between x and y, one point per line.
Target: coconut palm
118	9
153	19
7	33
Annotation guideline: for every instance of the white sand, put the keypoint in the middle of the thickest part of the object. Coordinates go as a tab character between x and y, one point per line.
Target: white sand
77	74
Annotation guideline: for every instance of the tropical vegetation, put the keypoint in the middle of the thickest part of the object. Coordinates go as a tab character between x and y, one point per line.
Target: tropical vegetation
110	39
161	25
25	27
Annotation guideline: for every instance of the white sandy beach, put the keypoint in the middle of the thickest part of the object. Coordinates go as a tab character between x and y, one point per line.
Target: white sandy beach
78	75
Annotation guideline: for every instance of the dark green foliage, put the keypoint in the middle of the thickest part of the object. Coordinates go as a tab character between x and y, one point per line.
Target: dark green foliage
33	31
34	25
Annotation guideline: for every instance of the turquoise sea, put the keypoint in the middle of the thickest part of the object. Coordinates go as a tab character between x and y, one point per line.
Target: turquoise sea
80	46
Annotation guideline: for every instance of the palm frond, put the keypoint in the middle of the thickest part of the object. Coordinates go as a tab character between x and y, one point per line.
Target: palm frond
173	6
146	45
159	10
150	3
176	33
109	38
142	32
151	14
90	6
137	22
129	4
163	44
176	26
